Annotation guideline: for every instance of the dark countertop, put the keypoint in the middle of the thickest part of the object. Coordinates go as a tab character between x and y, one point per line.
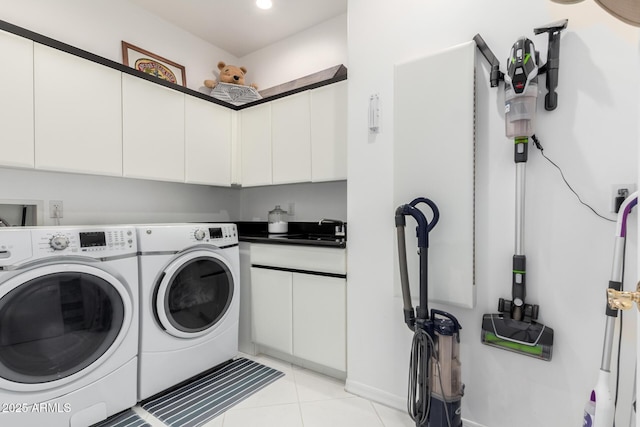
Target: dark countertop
300	233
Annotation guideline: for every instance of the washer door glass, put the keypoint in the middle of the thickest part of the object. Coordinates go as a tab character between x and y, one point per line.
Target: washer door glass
194	293
55	325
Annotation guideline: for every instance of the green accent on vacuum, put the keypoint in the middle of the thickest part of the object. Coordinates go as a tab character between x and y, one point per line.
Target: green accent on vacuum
528	338
490	338
520	271
521	140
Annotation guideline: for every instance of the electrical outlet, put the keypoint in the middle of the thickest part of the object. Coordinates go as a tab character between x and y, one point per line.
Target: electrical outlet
620	190
292	208
55	209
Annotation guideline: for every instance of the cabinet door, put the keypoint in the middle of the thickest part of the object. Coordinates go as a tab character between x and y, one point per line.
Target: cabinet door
153	130
319	320
207	142
16	101
329	132
291	139
78	114
271	308
255	137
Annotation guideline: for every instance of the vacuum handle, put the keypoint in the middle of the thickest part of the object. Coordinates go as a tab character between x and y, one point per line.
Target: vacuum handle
434	210
402	211
424	226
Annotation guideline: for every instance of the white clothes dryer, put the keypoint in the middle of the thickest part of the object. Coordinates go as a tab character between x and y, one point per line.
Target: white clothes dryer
68	324
189	302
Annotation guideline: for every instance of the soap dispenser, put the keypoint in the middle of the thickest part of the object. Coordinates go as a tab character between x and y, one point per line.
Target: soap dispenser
278	222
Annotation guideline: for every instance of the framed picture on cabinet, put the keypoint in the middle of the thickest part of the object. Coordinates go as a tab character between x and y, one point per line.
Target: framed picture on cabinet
150	63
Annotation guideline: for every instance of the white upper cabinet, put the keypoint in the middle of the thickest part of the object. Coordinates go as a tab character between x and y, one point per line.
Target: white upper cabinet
153	130
255	143
16	101
207	142
298	138
291	139
329	132
78	121
62	112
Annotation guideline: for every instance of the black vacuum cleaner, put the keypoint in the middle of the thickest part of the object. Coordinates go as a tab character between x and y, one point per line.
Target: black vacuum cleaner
435	384
515	328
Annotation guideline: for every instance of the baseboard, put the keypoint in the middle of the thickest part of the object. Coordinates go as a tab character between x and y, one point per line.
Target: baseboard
387	399
325	370
377	395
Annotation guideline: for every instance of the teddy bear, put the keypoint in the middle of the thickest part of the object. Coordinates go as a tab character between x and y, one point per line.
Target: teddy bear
229	74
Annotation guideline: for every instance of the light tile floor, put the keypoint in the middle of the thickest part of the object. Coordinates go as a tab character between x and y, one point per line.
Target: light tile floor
302	398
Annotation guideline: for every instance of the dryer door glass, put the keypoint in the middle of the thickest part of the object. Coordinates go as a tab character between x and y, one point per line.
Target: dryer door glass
56	325
198	295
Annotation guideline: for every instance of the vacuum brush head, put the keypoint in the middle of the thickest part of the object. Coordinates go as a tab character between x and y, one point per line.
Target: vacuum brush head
527	338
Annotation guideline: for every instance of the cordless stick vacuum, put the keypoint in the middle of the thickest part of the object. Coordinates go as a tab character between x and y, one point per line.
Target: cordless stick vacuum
435	383
515	328
605	410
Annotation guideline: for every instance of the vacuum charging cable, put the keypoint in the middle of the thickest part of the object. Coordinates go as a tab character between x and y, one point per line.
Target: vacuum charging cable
538	145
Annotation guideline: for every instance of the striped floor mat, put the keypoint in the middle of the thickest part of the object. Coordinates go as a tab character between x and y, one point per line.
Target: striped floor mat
198	402
124	419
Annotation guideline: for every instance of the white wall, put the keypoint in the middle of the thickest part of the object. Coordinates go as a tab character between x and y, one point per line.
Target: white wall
318	48
312	202
89	199
593	135
99	26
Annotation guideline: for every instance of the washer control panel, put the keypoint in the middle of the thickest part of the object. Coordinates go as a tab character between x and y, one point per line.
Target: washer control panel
85	241
217	234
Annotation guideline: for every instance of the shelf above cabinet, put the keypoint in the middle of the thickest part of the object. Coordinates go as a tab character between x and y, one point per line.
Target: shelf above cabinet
312	81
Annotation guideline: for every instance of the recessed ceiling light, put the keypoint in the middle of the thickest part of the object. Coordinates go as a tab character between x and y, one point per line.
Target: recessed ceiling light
264	4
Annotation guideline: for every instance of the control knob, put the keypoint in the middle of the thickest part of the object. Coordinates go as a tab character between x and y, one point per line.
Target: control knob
199	234
59	242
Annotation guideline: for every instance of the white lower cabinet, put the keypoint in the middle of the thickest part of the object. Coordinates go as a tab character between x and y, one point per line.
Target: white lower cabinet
296	313
271	309
319	319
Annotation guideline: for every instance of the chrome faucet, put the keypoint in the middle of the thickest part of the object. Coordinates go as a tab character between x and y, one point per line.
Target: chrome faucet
339	229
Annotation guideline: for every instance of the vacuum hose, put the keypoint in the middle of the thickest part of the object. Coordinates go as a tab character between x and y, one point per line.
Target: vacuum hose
409	317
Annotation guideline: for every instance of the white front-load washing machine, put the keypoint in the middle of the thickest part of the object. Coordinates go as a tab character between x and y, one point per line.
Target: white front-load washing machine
68	324
189	302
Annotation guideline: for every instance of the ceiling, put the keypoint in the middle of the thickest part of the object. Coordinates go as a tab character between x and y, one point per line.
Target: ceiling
238	26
